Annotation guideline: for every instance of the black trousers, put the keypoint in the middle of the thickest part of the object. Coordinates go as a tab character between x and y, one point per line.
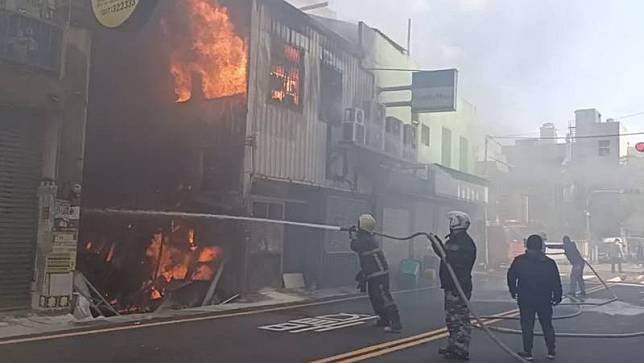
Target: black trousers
382	301
544	312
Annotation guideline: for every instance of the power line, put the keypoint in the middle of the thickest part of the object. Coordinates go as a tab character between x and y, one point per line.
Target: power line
629	115
567	137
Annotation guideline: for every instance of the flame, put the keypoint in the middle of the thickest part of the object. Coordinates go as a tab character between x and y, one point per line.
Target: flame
173	262
204	272
191	239
209	254
213	51
155	294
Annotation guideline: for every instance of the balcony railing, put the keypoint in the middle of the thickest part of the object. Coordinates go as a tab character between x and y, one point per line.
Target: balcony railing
30	41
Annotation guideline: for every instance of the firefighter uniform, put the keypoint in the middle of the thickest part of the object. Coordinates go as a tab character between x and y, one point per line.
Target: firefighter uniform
374	275
461	255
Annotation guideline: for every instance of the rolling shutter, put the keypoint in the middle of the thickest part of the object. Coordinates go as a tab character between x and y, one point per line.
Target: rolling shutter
19	179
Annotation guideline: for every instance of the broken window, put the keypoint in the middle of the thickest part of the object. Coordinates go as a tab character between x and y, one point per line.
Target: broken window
287	73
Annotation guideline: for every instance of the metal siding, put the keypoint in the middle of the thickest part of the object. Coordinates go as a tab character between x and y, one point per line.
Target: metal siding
19	177
291	145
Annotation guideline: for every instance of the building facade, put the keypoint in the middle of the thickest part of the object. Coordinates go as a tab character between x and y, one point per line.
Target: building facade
44	64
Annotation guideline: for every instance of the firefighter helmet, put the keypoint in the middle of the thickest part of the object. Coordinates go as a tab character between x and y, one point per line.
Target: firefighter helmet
367	223
458	221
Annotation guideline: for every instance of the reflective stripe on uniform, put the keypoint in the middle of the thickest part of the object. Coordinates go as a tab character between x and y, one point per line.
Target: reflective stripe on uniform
372	252
375	274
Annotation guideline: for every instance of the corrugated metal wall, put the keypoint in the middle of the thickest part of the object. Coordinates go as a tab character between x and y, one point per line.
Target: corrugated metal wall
19	178
292	145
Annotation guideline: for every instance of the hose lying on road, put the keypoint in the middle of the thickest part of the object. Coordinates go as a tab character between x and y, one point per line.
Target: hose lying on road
439	247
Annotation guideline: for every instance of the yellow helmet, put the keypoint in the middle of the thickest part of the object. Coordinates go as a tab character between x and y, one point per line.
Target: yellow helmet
367	223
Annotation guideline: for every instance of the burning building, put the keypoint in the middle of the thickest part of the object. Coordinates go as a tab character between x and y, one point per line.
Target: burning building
246	108
166	132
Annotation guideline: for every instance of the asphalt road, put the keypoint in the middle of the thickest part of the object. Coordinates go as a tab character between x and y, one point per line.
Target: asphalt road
340	331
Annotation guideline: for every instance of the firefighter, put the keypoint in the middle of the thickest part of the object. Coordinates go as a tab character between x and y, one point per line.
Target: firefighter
374	274
461	255
577	262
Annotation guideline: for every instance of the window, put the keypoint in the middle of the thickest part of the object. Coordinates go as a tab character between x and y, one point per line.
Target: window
603	147
446	147
424	135
464	149
268	210
410	135
330	93
287	73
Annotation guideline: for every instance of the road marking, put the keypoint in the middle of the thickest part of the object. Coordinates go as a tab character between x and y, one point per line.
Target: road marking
319	324
640	285
413	341
392	344
140	325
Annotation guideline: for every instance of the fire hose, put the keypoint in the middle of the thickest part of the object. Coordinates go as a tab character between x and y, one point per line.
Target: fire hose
431	237
443	255
490	329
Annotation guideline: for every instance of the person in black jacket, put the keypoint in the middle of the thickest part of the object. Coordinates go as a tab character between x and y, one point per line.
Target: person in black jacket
533	279
461	255
374	275
577	262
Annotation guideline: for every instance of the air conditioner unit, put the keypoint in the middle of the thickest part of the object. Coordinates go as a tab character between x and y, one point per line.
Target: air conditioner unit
353	126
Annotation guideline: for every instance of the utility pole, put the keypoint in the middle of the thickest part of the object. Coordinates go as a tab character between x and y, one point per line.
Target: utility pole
485	157
409	36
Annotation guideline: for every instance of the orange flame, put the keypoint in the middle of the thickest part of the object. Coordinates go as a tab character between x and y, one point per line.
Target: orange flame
203	273
213	51
155	294
209	254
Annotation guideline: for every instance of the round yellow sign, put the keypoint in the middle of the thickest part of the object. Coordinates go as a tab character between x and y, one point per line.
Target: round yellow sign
113	13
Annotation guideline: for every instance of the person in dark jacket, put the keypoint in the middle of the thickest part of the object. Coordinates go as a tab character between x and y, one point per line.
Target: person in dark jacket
461	255
577	262
533	279
374	275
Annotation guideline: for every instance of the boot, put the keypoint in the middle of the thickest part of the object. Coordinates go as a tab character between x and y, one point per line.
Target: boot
394	320
381	323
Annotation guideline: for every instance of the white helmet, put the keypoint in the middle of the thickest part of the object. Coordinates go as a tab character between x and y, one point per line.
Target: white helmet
458	221
367	223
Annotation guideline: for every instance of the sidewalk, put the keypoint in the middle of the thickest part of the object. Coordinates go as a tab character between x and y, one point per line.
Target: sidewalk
31	324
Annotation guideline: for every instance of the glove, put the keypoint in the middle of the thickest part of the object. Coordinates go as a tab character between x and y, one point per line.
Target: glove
556	302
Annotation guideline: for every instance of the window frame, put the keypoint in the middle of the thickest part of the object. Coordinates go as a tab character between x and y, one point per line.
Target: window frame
603	150
278	57
425	137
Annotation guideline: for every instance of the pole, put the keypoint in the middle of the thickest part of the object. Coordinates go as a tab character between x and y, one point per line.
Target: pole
485	157
409	36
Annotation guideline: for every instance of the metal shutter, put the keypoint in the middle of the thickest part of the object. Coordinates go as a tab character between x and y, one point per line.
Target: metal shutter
19	179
